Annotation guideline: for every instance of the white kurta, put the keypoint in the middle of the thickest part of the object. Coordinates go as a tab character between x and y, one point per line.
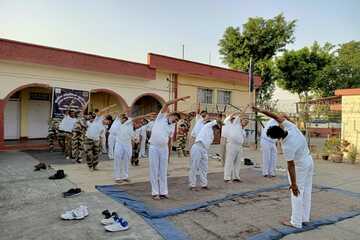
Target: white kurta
234	152
123	150
67	124
199	124
268	150
199	155
295	148
162	130
112	137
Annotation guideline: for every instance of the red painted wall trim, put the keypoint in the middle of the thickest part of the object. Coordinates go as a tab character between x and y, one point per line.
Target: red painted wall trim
347	92
186	67
31	53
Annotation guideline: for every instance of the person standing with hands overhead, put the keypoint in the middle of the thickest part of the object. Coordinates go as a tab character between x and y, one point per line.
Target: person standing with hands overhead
300	167
160	142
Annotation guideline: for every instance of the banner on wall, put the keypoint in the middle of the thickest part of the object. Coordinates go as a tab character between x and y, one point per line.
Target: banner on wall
63	98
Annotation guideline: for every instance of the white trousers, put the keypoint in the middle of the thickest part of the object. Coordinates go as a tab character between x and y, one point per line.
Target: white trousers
158	165
301	205
122	155
111	143
234	154
198	165
142	147
269	158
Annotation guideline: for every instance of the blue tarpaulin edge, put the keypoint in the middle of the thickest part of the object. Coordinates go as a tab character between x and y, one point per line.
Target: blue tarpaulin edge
169	231
274	234
164	227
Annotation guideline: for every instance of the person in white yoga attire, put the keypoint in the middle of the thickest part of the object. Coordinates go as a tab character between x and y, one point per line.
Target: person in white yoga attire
234	134
199	155
300	167
160	143
123	146
201	119
268	150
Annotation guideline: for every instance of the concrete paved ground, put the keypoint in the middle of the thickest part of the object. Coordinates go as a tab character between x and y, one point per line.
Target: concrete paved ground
30	206
28	199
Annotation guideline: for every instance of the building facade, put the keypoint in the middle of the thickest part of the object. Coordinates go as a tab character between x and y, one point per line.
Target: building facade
350	115
28	74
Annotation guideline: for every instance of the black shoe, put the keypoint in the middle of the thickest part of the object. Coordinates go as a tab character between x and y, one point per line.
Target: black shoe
106	214
58	175
137	163
72	192
40	166
248	162
163	197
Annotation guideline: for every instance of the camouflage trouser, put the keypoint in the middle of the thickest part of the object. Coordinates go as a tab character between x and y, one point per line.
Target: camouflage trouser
77	145
68	141
61	140
92	149
52	136
181	145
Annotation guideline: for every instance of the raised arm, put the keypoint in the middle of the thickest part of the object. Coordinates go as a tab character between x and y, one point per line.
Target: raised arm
149	115
165	108
102	111
278	118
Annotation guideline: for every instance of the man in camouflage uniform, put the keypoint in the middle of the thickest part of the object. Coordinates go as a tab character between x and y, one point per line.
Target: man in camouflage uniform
78	137
92	141
53	133
182	135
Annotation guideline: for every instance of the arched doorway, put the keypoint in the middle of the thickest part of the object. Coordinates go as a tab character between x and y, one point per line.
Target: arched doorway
101	98
26	112
146	103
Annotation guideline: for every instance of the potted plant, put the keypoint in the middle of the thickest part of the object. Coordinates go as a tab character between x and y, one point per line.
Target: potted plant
326	150
337	149
352	154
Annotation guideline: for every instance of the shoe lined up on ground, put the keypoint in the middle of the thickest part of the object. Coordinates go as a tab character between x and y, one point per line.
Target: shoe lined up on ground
108	217
76	214
58	175
114	223
119	224
40	166
72	192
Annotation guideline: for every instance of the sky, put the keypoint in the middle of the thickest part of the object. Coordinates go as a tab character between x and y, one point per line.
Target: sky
129	29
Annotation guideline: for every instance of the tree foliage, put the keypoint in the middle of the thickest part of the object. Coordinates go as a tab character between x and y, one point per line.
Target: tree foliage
299	70
261	39
343	71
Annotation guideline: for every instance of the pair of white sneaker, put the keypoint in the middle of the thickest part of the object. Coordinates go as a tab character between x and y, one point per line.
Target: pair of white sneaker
115	224
76	214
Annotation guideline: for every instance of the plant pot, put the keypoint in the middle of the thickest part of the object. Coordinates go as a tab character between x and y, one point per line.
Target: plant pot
325	157
336	157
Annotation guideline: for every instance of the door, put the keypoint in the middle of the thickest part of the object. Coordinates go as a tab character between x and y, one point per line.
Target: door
12	120
38	117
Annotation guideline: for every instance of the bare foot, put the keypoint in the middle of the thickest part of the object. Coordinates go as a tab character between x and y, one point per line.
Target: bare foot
287	223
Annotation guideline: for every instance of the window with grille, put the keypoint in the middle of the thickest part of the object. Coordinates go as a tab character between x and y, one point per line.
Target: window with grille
224	97
205	95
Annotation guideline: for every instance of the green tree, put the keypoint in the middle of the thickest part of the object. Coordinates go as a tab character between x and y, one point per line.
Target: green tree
343	70
298	71
261	39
